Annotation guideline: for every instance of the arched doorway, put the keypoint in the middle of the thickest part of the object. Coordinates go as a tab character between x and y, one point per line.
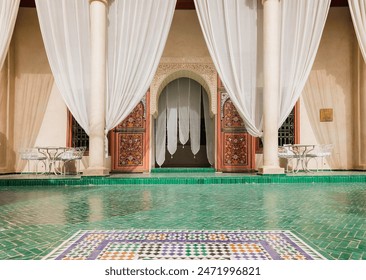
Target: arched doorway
184	129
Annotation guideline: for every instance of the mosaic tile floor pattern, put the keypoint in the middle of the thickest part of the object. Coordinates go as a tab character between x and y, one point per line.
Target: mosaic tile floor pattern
184	245
34	220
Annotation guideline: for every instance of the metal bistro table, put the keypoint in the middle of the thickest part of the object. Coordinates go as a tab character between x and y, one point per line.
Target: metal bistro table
300	151
51	154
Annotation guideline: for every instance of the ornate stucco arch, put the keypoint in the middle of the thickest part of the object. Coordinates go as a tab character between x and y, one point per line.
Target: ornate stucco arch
201	70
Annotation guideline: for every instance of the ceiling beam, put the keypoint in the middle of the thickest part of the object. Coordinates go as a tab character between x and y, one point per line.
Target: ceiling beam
188	4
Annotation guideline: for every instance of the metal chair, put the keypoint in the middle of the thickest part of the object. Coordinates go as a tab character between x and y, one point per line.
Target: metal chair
286	153
320	152
32	154
71	155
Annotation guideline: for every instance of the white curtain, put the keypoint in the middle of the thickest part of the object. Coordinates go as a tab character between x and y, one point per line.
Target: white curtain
174	105
8	15
322	91
160	136
184	95
172	116
358	13
230	31
66	35
195	116
31	99
301	29
210	130
137	33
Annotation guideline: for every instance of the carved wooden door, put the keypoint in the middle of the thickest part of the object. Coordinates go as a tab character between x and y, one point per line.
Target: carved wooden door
130	141
236	147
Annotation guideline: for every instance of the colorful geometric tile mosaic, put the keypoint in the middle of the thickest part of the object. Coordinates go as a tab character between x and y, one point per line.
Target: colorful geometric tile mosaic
184	245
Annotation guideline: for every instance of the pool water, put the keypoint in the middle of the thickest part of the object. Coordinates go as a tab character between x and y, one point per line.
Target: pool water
331	218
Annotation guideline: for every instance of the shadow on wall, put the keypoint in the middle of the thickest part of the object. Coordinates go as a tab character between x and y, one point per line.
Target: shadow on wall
7	155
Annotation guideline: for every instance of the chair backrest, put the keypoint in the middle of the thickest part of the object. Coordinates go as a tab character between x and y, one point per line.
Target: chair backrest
285	152
30	154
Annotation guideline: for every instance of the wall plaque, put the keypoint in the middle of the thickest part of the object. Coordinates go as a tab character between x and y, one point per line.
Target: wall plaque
326	115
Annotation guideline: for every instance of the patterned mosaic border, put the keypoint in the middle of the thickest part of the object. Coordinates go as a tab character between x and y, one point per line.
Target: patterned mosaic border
183	245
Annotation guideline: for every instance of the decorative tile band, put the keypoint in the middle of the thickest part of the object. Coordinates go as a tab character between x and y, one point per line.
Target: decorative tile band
183	245
197	179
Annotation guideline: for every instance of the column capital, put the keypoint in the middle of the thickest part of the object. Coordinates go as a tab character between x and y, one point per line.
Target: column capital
105	2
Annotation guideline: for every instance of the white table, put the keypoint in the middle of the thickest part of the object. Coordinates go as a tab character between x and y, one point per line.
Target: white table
300	151
51	153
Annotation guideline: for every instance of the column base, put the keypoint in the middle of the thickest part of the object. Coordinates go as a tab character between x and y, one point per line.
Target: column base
96	171
275	170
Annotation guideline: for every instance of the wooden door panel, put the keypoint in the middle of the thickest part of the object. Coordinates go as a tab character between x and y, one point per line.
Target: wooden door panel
235	149
130	141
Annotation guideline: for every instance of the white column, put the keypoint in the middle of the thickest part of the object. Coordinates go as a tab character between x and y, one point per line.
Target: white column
271	61
98	29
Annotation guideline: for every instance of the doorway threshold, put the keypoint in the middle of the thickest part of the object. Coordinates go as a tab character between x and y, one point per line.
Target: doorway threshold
183	170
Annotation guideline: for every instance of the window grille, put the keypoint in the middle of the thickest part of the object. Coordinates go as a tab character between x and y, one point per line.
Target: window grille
79	137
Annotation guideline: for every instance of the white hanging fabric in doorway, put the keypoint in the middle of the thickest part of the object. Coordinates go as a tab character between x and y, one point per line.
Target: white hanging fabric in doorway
168	124
8	15
301	30
210	130
184	95
358	13
66	35
195	116
172	116
160	137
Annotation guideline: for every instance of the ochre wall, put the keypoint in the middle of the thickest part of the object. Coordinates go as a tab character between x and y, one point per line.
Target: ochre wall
185	37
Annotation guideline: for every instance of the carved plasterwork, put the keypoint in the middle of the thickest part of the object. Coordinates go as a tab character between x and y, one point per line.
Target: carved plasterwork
202	70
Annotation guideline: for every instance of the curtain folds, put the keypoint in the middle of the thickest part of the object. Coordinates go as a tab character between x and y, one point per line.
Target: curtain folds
195	116
66	35
358	13
301	29
230	31
172	116
8	15
137	32
210	130
180	104
184	95
33	92
160	137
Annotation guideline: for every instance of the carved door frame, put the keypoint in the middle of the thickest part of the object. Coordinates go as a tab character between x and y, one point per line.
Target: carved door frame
235	149
130	140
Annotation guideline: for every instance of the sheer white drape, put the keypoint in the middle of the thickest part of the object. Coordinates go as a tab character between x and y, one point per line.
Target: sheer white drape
233	36
8	15
137	33
195	116
174	103
172	116
301	29
322	91
31	98
358	13
160	137
66	35
210	130
184	94
230	31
